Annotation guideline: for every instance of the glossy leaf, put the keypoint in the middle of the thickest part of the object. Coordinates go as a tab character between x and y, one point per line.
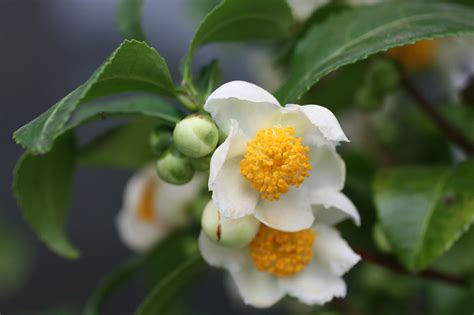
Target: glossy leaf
424	211
148	106
242	20
130	19
42	187
134	66
125	146
357	33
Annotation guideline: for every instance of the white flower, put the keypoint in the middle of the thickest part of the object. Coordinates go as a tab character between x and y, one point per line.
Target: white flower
277	163
153	208
307	265
455	60
302	9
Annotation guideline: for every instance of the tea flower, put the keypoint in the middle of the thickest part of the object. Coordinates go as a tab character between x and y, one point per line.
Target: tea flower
152	208
277	163
307	265
452	58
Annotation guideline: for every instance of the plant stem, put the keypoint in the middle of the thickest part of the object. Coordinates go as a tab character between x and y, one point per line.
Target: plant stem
445	126
389	263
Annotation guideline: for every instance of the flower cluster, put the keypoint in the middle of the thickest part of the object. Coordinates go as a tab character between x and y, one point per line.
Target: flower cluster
276	182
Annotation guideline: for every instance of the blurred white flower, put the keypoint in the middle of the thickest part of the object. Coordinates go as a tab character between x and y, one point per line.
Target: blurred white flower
153	208
302	9
455	60
452	58
307	265
277	163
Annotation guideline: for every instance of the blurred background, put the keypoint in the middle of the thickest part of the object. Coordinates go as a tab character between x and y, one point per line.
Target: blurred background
47	49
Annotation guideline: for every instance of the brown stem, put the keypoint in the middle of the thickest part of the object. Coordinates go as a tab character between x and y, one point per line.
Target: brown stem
450	131
390	263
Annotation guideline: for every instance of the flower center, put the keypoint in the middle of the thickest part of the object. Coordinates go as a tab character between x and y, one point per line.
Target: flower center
275	159
417	56
282	253
146	205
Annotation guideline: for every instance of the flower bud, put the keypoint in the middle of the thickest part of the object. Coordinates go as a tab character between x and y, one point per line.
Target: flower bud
201	164
228	232
160	140
383	76
196	136
174	168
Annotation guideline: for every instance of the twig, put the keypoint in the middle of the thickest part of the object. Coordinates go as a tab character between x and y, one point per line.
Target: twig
450	131
390	263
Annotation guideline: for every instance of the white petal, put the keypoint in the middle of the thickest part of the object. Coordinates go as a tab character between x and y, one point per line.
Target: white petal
316	124
332	206
136	185
259	289
314	285
231	192
173	200
139	235
250	105
333	251
292	212
232	259
329	169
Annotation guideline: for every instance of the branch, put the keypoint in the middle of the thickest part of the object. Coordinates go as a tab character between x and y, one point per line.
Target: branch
445	126
389	263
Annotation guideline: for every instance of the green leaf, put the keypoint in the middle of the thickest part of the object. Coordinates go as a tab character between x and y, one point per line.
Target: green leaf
162	259
462	117
357	33
241	20
148	106
134	66
159	299
424	211
42	188
130	19
209	78
108	148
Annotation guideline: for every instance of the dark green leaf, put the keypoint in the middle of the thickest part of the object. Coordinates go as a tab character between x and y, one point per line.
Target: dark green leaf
359	32
159	299
42	188
129	19
424	211
461	116
149	106
163	259
210	78
125	146
241	20
134	66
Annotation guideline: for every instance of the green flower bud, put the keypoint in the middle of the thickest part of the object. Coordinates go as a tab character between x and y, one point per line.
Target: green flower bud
196	136
367	99
228	232
201	164
160	140
198	205
383	76
174	168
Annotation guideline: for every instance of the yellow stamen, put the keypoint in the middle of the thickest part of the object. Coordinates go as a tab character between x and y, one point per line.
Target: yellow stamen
275	159
282	253
146	205
417	56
